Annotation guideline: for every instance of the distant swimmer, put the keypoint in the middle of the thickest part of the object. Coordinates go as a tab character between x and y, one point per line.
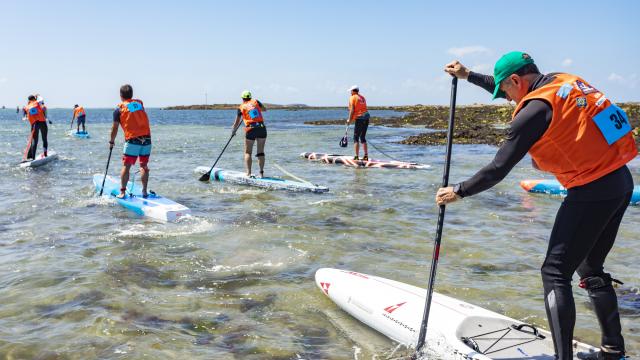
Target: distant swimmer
575	132
80	115
36	114
360	115
250	111
133	119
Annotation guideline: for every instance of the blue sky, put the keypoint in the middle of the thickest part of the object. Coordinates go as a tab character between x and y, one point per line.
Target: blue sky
173	52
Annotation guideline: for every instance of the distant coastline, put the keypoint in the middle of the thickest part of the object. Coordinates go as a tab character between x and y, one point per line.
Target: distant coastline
292	107
475	124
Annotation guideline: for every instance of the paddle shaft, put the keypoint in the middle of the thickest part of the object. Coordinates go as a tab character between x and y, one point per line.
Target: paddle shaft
105	171
26	150
206	176
436	244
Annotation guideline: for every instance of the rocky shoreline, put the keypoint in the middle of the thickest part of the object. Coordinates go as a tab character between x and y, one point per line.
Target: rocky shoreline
475	124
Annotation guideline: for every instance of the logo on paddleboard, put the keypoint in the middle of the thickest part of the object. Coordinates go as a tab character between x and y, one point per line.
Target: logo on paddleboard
357	274
325	287
393	308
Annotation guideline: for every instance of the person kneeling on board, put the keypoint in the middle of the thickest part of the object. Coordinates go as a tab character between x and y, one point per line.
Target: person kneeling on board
37	116
80	115
133	119
573	131
250	111
359	114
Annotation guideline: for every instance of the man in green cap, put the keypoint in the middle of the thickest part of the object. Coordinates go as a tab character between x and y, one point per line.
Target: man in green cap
573	131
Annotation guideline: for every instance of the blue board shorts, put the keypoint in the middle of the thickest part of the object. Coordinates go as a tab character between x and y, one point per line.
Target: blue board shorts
81	119
136	148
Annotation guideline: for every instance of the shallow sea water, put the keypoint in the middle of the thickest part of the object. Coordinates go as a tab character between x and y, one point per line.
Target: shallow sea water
81	278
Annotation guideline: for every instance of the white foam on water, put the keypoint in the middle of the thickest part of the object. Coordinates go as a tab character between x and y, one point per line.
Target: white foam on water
267	264
186	226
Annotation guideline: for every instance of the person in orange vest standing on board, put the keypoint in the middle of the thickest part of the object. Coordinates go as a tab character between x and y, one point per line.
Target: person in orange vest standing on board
250	112
37	116
132	117
80	115
360	115
575	132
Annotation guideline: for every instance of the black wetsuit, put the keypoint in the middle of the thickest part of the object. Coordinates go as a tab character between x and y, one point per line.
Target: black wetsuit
39	127
360	128
584	231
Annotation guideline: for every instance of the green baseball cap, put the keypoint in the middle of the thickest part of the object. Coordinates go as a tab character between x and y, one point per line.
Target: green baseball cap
508	64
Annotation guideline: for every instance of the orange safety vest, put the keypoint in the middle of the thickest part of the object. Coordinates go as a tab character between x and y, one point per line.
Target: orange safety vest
34	112
134	119
358	104
79	111
588	136
251	113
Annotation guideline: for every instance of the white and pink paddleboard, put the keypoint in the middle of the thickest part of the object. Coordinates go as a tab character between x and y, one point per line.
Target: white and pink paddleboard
456	329
372	163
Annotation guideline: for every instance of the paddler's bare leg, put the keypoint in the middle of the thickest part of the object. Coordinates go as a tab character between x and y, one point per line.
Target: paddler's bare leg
144	170
124	179
248	149
260	154
356	146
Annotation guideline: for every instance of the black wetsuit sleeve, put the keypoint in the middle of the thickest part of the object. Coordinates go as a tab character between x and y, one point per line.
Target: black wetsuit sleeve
261	106
484	81
526	129
116	115
239	112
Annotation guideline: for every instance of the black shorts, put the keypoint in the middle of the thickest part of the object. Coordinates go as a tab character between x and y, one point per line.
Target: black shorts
360	130
257	131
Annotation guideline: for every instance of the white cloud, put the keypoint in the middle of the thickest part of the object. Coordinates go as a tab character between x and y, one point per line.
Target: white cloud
482	68
469	50
567	62
630	81
436	84
3	80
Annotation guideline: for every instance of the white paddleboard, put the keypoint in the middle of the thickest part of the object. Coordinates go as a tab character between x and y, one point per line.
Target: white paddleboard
154	206
40	160
273	183
456	329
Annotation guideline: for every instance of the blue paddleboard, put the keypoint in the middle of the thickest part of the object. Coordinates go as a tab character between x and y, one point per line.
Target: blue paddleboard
553	187
154	206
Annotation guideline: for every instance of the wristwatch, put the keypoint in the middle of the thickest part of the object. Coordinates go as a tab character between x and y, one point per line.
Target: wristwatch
456	190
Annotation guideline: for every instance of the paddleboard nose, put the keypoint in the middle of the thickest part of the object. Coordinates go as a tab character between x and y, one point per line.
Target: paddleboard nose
529	184
323	281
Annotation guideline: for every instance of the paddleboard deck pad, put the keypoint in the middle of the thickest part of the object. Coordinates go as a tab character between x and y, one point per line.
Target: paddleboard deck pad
79	134
154	206
371	163
553	187
40	160
456	329
237	177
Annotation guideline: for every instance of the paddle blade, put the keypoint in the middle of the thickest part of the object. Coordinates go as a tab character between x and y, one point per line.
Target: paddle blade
205	177
344	141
